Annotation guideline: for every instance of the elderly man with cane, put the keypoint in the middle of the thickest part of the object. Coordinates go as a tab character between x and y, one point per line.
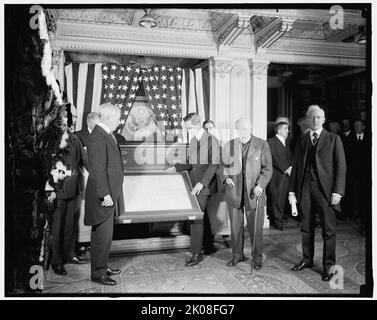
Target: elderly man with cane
247	172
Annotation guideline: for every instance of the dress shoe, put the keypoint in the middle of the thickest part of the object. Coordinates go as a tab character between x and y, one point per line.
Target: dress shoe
279	227
78	260
59	269
227	243
209	250
234	262
301	265
257	266
112	272
327	276
104	280
195	259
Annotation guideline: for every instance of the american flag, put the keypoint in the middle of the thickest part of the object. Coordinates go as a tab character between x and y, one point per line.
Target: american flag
162	86
120	84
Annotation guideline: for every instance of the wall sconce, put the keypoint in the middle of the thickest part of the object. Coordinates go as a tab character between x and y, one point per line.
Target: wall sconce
147	21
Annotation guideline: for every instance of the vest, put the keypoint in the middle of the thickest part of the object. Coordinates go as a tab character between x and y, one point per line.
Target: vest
311	163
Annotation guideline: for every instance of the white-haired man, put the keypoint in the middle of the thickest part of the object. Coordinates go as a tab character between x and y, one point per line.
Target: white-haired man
246	178
317	184
103	190
92	120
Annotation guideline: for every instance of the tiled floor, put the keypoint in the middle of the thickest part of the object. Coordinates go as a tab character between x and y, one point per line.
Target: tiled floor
165	273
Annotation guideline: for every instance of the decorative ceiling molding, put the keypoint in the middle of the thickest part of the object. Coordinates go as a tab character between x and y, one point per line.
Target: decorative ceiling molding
350	16
343	34
234	30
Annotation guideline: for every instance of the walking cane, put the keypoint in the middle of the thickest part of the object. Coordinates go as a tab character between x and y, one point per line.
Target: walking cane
254	234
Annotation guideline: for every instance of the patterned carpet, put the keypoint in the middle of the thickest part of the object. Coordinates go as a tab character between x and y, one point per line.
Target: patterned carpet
165	273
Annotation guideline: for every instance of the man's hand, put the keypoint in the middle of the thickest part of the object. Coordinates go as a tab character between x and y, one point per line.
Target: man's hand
292	198
196	190
107	201
288	171
335	199
230	182
258	190
51	197
171	169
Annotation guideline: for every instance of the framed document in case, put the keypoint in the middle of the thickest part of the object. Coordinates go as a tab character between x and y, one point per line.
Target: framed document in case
157	197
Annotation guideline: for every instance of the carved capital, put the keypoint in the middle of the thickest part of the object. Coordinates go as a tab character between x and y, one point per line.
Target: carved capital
287	24
221	66
259	67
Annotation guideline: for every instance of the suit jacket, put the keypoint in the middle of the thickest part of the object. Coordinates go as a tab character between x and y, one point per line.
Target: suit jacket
83	135
281	161
105	176
331	165
203	162
360	158
76	157
258	170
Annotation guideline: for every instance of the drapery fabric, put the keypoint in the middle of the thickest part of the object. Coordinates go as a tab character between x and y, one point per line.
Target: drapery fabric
173	91
163	86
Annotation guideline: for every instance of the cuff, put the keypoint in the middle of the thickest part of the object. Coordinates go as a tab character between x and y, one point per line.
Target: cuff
336	194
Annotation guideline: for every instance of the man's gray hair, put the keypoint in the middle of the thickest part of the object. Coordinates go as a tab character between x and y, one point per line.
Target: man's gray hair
108	110
193	117
93	116
244	121
312	108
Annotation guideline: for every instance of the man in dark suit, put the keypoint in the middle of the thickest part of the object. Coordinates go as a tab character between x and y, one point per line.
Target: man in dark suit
360	173
91	121
103	190
247	172
203	161
277	189
317	185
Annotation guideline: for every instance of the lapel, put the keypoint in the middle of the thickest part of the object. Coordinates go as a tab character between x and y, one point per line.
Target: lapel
322	139
252	147
108	137
305	145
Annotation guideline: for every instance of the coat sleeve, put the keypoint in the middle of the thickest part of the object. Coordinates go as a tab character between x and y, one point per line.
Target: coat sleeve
339	167
97	158
266	166
294	175
214	161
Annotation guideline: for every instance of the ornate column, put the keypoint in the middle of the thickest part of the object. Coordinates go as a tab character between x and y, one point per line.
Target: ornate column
220	95
258	73
58	65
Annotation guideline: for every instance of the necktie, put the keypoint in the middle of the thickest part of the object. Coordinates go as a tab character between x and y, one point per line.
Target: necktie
315	138
359	138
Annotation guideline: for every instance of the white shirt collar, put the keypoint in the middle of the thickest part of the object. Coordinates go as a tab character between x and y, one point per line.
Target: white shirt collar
317	131
104	127
90	131
199	134
281	138
360	135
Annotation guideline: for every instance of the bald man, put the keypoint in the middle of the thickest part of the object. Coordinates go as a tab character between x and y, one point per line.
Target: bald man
317	184
103	190
247	172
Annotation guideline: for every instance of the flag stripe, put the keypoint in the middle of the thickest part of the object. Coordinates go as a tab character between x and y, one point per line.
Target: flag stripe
69	83
75	75
206	91
97	87
192	97
199	93
88	94
81	85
